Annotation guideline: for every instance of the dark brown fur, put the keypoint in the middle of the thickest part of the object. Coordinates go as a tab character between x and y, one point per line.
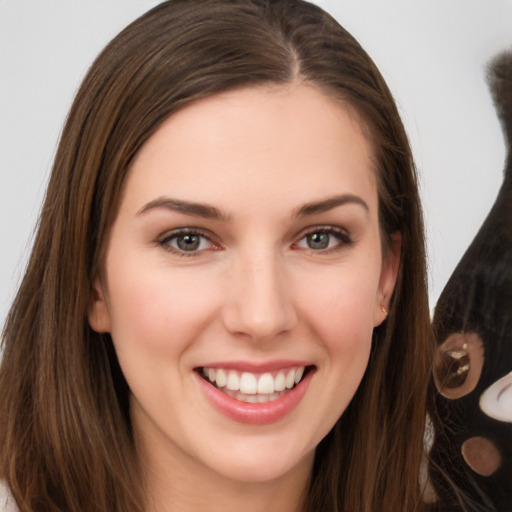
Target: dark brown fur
478	299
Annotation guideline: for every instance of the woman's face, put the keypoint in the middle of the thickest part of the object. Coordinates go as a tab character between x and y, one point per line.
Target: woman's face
245	257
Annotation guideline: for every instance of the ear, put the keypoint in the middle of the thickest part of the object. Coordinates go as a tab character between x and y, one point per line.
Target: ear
98	314
388	277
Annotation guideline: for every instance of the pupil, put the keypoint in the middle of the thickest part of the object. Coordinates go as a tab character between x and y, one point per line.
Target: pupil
318	240
188	242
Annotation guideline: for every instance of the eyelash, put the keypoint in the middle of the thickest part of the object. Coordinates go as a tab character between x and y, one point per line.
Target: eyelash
343	240
176	234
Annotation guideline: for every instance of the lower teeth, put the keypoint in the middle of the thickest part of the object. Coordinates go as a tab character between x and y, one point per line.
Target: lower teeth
253	399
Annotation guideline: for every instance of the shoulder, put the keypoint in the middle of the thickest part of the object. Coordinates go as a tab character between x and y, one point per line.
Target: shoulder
6	502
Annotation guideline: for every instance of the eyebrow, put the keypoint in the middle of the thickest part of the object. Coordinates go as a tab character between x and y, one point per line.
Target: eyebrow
325	205
211	212
187	207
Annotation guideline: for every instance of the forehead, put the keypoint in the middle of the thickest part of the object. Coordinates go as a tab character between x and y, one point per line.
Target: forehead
265	140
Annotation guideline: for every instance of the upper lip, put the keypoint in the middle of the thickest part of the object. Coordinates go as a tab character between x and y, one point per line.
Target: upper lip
257	367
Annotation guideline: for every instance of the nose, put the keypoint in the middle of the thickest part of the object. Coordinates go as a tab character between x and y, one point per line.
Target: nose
259	305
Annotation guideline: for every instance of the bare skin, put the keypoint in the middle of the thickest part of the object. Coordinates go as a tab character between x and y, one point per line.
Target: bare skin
247	245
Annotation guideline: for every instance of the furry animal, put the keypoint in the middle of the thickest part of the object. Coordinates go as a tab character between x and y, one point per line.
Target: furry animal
471	457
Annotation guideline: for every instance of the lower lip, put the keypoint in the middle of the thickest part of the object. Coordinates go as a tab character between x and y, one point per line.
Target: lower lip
259	413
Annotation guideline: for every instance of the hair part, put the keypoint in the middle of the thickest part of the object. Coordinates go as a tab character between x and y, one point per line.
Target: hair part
65	432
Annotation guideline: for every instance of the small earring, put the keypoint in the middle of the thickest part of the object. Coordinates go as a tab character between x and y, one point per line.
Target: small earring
384	310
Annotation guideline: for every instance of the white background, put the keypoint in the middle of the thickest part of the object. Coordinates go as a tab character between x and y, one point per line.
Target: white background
431	52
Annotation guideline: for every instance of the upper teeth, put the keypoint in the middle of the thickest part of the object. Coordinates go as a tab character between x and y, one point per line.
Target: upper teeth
254	383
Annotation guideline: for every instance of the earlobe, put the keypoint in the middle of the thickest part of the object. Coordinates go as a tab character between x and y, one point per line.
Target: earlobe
98	314
388	277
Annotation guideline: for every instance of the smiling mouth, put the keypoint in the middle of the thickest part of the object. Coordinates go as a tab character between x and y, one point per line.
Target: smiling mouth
254	387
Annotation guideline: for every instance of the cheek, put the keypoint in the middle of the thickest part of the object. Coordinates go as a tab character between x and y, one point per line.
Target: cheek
340	303
158	308
340	314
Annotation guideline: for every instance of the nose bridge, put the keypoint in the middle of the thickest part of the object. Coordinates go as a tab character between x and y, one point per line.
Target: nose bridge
260	305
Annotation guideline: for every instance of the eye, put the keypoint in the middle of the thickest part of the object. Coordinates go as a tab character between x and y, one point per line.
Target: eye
324	239
186	242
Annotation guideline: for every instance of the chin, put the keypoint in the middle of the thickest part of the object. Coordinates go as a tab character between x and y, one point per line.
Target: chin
262	467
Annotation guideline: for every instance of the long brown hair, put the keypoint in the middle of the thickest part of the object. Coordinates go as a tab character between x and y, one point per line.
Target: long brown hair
65	435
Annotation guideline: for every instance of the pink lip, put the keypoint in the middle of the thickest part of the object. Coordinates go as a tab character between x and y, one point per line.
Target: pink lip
246	366
259	413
